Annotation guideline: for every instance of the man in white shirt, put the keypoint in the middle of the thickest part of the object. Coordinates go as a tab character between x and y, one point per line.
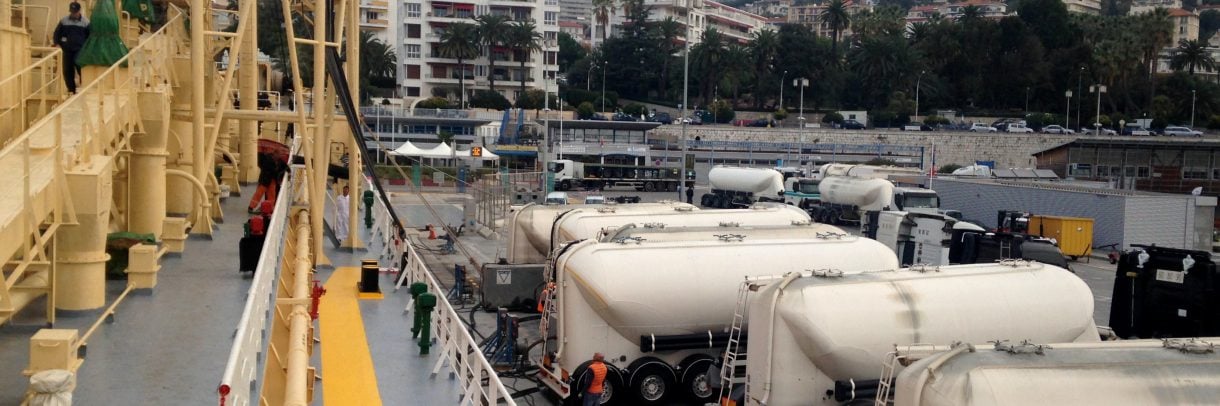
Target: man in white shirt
343	204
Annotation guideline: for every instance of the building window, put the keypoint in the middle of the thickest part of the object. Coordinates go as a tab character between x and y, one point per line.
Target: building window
1144	172
413	31
552	35
1080	170
412	91
371	15
413	10
552	57
412	51
412	71
1102	170
551	18
1194	172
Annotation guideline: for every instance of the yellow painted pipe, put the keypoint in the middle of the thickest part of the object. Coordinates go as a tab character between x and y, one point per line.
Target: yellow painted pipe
202	224
296	387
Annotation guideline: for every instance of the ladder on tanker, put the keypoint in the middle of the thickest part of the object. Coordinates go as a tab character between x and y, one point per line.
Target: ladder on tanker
887	379
732	349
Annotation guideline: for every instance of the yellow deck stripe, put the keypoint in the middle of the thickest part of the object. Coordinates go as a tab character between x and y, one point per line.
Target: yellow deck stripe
347	366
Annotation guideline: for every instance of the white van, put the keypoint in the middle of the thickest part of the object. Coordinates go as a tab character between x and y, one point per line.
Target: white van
556	198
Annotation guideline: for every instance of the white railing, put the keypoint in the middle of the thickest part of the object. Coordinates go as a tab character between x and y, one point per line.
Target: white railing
238	384
459	350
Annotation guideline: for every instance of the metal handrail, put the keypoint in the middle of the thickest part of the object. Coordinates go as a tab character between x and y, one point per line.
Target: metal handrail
40	75
459	348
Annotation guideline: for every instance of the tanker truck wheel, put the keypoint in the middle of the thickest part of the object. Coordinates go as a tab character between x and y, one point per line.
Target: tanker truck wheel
650	187
703	200
651	380
695	380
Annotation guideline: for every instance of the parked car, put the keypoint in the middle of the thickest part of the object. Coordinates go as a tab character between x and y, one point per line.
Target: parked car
1104	131
595	199
663	118
621	116
1057	129
1135	130
1002	124
916	127
693	120
850	124
556	198
762	122
1176	131
981	128
1018	127
597	117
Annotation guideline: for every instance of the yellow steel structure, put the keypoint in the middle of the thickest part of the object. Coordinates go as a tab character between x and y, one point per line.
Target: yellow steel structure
137	148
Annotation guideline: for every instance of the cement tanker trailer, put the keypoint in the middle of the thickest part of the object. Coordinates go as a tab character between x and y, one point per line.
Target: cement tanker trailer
734	186
655	233
658	310
597	223
850	199
529	238
821	339
1138	372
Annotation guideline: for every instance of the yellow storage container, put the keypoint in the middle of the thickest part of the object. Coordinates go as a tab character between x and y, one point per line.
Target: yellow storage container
1074	234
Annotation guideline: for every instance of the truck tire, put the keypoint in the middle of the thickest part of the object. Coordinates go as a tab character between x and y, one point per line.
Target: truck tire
565	185
651	380
612	393
703	200
695	383
672	187
650	187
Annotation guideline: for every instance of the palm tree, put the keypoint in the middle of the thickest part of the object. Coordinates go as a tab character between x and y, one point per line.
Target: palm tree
523	37
667	33
707	57
493	31
763	49
837	18
377	60
602	9
460	41
1192	54
970	14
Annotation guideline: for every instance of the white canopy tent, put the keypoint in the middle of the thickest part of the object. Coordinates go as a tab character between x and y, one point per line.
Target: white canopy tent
440	151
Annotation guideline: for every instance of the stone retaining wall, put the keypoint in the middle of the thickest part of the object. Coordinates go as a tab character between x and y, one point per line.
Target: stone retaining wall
962	148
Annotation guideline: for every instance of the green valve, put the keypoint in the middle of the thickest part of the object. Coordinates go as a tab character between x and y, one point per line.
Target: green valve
369	198
423	311
417	289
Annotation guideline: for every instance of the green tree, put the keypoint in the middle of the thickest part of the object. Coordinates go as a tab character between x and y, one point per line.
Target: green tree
1192	54
487	99
706	58
460	41
837	18
667	32
570	51
1209	22
378	64
524	39
584	111
493	31
764	46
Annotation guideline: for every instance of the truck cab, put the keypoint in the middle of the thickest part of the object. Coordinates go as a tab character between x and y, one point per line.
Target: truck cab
801	192
917	200
565	171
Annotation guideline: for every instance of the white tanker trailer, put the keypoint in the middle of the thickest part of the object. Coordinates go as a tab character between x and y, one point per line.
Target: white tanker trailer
734	186
594	224
822	339
850	199
867	171
1138	372
529	238
658	310
658	233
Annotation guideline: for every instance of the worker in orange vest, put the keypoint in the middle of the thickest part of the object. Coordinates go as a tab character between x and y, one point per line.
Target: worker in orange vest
593	395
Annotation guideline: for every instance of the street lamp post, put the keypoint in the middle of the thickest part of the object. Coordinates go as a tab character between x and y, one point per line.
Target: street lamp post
1099	89
1079	91
917	82
685	93
801	83
1026	101
589	75
781	89
1192	109
1067	113
604	65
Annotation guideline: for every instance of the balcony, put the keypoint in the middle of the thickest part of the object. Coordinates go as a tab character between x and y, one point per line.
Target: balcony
378	4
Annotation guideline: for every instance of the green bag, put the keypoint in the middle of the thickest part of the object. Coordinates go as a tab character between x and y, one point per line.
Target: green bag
104	46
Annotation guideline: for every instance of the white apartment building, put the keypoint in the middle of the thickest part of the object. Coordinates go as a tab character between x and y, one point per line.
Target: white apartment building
375	18
991	9
735	24
1083	6
810	15
417	25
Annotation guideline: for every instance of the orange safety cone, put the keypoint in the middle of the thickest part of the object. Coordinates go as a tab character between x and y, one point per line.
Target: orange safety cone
431	232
